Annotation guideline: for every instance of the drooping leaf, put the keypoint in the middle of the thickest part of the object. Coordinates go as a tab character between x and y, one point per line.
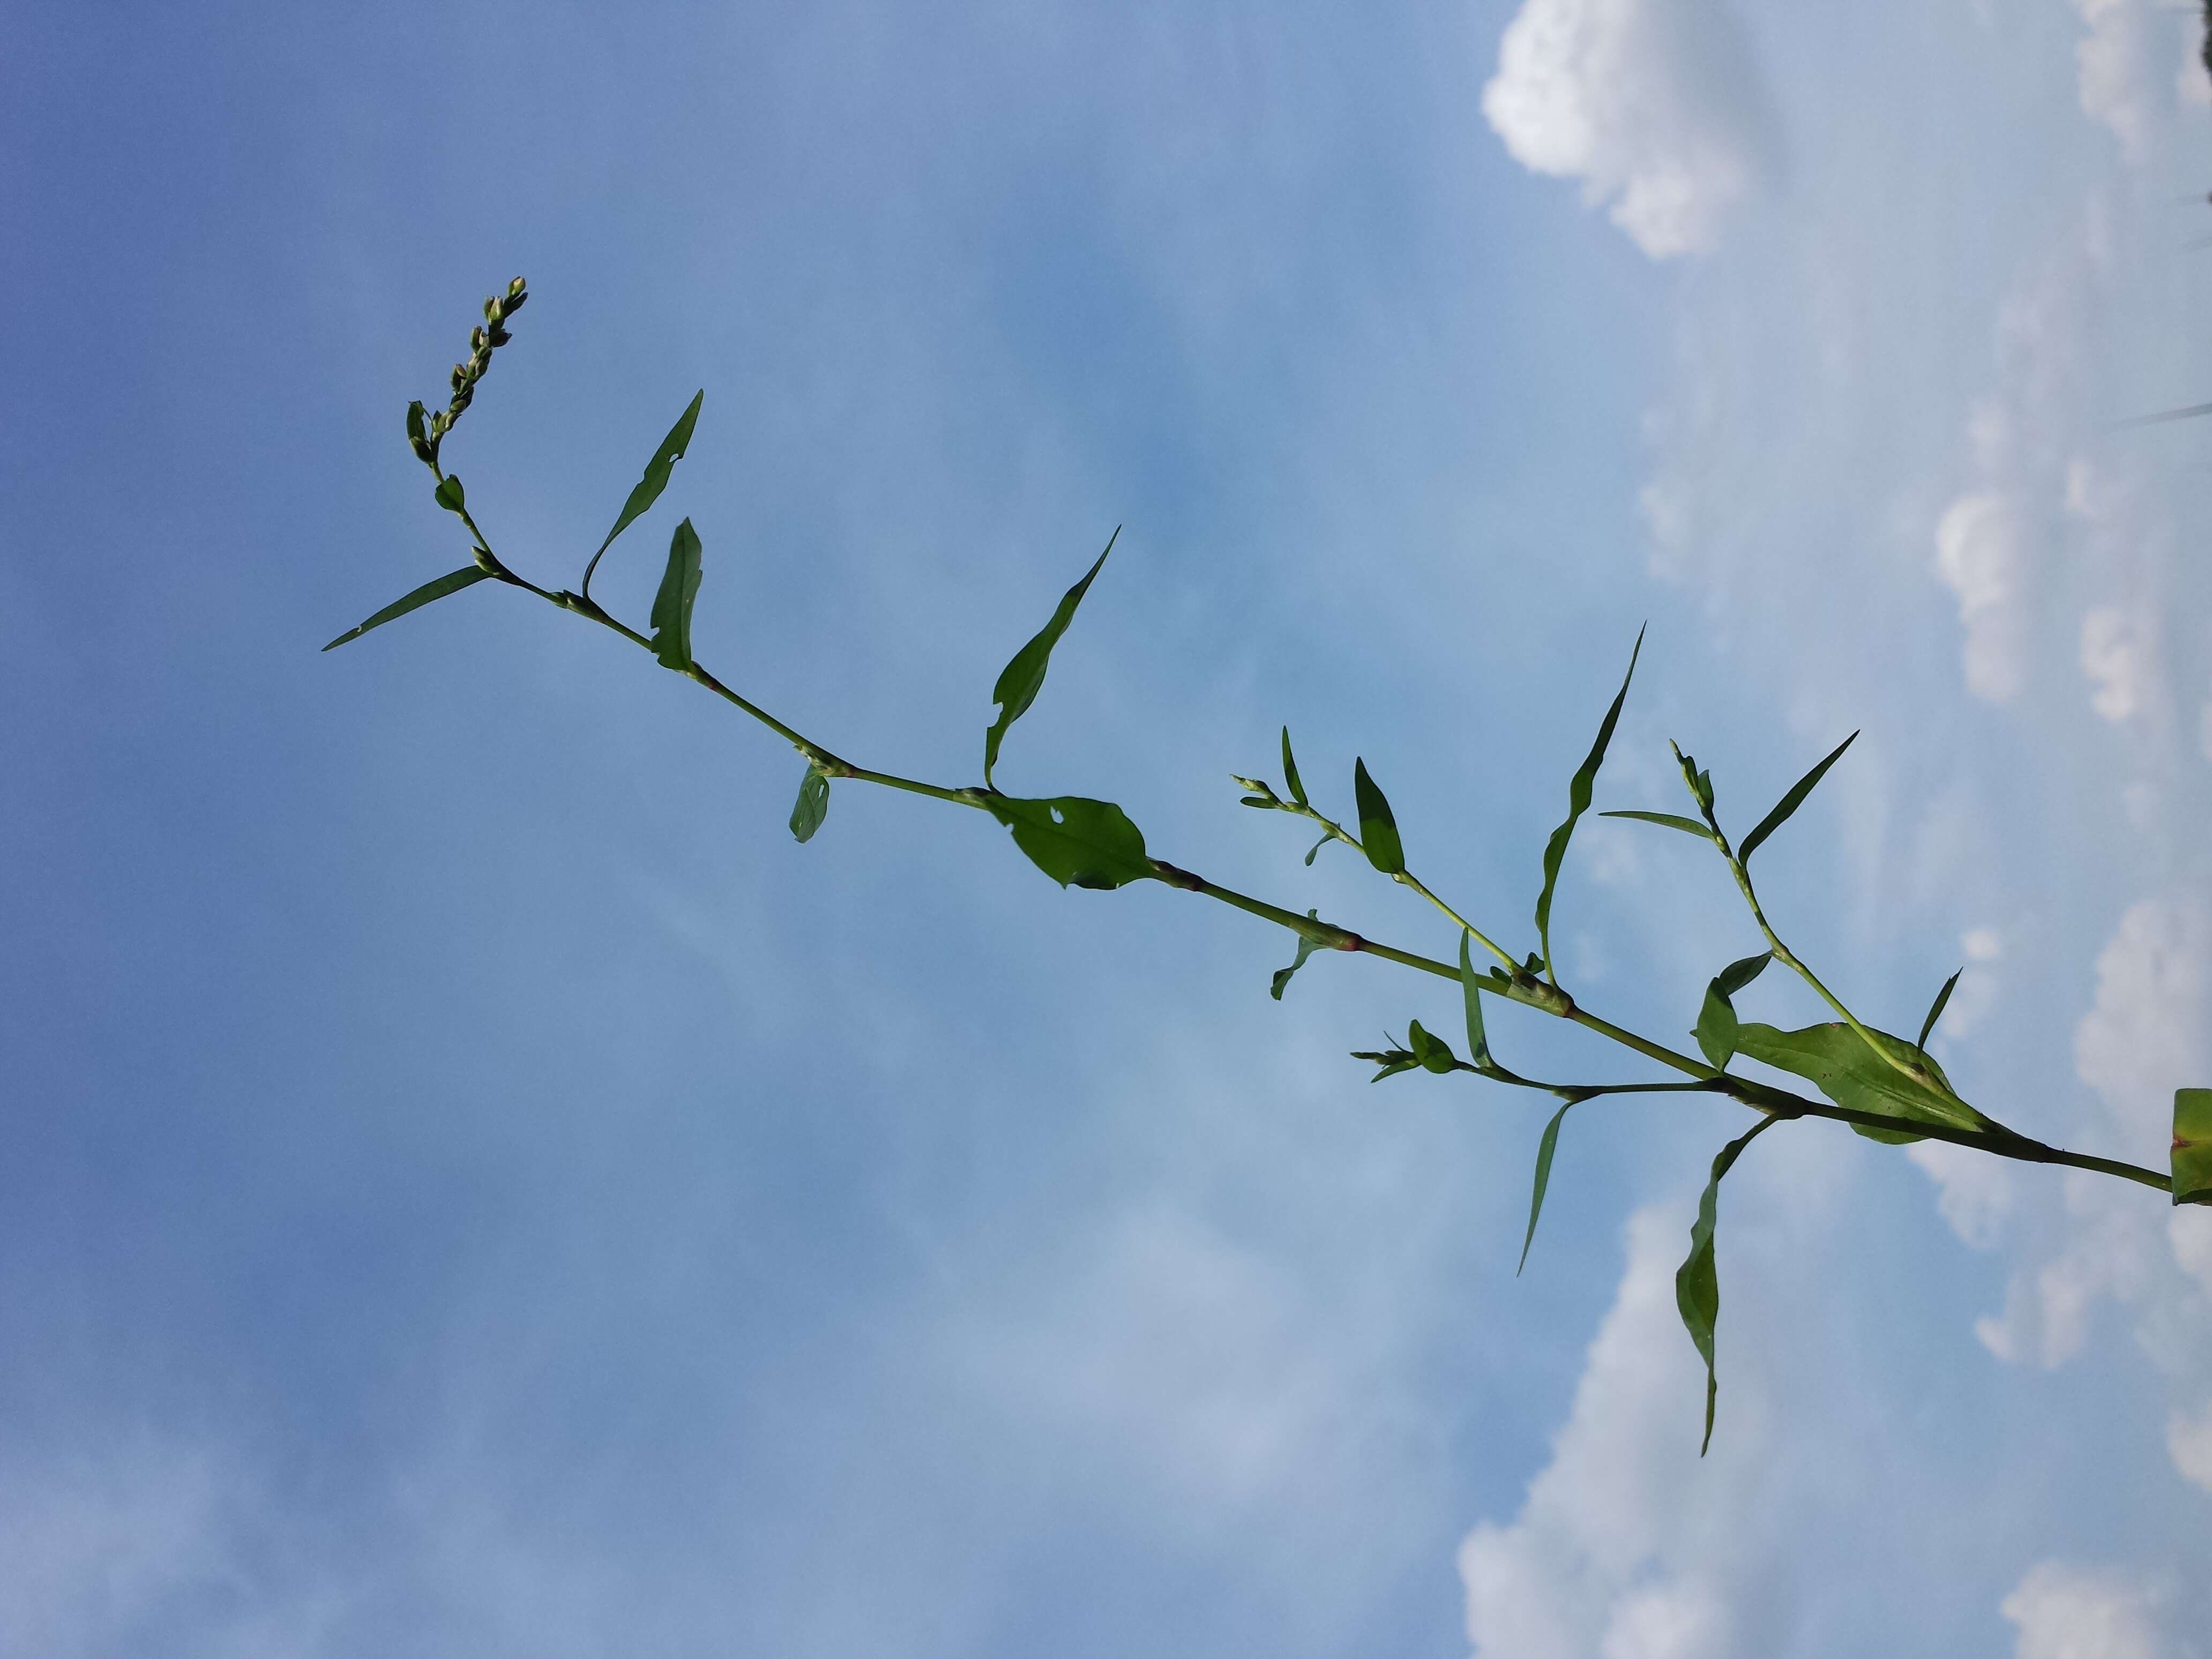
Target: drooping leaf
1307	946
452	582
1020	680
1687	826
1316	847
1378	829
450	494
2192	1145
1697	1281
813	805
1579	800
671	605
1935	1009
1291	773
1076	841
648	488
1716	1026
1790	802
1545	1148
1478	1040
1836	1061
1433	1053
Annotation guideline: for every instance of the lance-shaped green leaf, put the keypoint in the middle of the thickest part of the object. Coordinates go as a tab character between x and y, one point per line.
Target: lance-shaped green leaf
1579	800
1378	829
450	494
1307	946
1291	773
1432	1053
1687	826
1076	841
1545	1148
813	805
1393	1061
1790	802
1697	1281
671	605
1935	1008
1836	1061
1716	1026
1478	1040
452	582
649	488
1020	680
2192	1145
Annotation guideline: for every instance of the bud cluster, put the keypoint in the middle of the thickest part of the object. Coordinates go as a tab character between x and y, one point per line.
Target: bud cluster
483	339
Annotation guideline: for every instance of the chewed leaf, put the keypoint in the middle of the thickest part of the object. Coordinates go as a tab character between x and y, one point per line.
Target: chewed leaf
1307	946
452	582
1935	1009
1790	802
2192	1145
1836	1061
1697	1281
1291	773
648	488
1579	800
1673	821
1378	829
1716	1026
1020	680
813	805
671	605
1076	841
1545	1148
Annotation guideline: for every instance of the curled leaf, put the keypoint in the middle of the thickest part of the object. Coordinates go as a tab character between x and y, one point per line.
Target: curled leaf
1697	1281
1716	1026
671	605
813	805
1020	680
1307	946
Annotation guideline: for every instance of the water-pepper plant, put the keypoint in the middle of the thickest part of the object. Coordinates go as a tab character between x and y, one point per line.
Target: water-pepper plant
1884	1086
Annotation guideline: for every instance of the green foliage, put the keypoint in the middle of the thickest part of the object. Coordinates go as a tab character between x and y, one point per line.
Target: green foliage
1579	800
1021	679
1883	1087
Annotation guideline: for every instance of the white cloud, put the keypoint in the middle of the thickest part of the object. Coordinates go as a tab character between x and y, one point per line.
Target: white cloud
2140	1041
2119	657
1656	105
2066	1612
1975	1191
1979	556
2189	1442
2118	79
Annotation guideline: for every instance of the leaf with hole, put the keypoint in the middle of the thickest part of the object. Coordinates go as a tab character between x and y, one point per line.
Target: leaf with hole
1076	841
671	605
1020	680
813	805
1579	800
1836	1061
1790	802
648	488
1716	1026
1378	829
1697	1281
452	582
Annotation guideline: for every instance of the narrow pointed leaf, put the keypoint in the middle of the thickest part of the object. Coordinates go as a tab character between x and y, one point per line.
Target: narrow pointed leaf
2192	1145
1716	1026
1687	826
1020	680
1545	1148
1076	841
1291	773
812	807
1790	802
1316	847
1836	1061
1378	829
452	582
1578	799
1478	1040
648	488
671	605
1697	1281
1936	1011
450	494
1307	946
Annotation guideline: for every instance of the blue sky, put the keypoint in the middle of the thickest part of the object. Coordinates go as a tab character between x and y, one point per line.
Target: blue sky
473	1185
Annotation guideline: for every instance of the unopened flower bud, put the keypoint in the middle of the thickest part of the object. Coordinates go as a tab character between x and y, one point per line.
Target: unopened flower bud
477	338
422	450
515	287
